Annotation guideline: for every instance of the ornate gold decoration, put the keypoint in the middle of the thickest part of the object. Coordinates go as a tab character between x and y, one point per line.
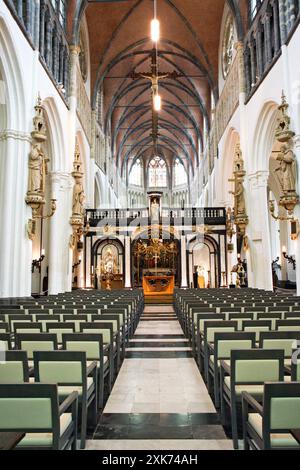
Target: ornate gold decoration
240	216
286	170
37	166
230	228
77	219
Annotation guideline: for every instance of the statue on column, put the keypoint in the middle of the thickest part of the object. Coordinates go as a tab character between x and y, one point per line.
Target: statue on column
36	167
240	215
286	170
78	199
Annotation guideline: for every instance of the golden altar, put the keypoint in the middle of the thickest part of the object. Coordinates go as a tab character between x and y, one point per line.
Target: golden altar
158	285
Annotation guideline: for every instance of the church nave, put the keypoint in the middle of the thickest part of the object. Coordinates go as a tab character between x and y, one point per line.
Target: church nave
159	400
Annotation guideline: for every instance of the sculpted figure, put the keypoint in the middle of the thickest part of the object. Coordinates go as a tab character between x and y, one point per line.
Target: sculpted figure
78	199
155	210
239	205
286	169
36	169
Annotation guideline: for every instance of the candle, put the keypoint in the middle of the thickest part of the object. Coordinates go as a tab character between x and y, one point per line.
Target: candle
43	252
284	250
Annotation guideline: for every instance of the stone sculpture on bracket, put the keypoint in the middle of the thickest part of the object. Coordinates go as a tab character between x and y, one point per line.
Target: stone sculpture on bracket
286	170
240	215
77	219
37	171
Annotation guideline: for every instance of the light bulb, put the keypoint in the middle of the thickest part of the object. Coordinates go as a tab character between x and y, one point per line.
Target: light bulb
155	30
157	102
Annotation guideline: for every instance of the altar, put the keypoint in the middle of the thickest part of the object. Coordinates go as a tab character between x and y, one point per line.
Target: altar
158	285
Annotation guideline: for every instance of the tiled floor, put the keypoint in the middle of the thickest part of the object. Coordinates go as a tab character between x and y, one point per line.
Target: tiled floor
159	400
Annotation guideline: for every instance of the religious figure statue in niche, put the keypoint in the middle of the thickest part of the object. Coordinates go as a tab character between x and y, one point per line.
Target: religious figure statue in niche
78	199
36	170
239	197
286	169
155	210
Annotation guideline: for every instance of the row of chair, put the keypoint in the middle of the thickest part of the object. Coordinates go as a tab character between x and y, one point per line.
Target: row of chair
238	355
62	365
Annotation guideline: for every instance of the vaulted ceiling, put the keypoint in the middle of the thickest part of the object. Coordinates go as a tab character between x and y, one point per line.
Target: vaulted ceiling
119	33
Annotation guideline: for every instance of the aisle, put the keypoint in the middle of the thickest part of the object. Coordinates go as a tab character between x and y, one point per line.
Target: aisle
159	400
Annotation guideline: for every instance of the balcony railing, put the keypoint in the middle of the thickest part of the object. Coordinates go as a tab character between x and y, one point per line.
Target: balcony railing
188	216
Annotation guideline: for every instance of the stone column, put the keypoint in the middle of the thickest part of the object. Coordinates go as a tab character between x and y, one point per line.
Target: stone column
253	64
259	257
60	254
183	262
127	262
15	246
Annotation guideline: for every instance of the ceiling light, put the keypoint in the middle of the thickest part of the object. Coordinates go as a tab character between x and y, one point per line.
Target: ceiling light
157	102
155	30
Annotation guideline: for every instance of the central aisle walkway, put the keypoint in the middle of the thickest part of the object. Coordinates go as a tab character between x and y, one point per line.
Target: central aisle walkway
159	400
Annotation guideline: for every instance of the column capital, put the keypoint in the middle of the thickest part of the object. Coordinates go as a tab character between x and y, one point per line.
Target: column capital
15	135
259	179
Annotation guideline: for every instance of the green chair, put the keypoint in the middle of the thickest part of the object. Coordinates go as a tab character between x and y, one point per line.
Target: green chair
28	327
14	367
295	374
288	325
69	370
256	326
286	340
247	372
210	329
4	327
60	328
268	426
31	342
5	341
220	350
106	330
34	409
95	350
200	319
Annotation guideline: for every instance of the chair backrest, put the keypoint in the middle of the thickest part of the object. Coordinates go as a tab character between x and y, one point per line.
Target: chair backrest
91	344
210	328
286	340
30	408
201	318
5	342
104	328
108	318
31	342
61	367
224	343
281	411
14	367
288	325
28	327
60	328
4	327
13	319
256	366
256	326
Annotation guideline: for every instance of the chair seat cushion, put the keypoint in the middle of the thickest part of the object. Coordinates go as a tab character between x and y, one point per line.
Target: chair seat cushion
252	389
45	439
277	440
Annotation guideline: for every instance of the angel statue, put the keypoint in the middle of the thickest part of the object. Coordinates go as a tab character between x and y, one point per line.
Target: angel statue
286	169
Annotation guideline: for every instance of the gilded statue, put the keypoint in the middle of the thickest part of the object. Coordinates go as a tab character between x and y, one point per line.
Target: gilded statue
240	215
286	170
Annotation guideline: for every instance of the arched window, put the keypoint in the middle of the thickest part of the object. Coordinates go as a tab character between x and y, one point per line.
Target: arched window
254	6
180	176
136	173
157	173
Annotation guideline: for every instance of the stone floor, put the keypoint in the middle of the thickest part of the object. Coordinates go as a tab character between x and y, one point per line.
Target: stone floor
159	400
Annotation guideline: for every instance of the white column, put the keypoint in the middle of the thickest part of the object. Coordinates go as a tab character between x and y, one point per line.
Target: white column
60	254
259	257
88	262
183	262
15	247
127	262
